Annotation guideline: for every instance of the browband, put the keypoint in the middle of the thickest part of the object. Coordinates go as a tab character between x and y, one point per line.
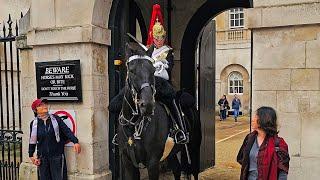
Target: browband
140	57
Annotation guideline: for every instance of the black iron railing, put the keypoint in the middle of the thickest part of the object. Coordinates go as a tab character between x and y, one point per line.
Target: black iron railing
10	103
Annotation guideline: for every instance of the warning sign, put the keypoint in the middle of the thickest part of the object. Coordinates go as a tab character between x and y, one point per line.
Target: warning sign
69	118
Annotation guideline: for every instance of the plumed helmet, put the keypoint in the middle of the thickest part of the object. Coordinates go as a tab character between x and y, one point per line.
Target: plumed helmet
158	31
156	28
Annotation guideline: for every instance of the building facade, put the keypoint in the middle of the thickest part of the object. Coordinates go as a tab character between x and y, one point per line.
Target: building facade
233	57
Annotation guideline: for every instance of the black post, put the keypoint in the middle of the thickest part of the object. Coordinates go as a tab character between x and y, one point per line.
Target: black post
18	78
169	9
1	104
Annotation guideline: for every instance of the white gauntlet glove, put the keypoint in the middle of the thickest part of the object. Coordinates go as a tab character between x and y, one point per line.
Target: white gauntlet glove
161	66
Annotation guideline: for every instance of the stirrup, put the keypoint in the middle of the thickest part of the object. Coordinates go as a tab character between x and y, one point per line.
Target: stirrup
181	137
114	140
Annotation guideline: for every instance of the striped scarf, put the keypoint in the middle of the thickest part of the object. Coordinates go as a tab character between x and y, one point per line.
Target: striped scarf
33	136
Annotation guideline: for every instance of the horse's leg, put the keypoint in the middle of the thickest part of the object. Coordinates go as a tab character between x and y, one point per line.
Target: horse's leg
153	169
195	176
174	165
130	172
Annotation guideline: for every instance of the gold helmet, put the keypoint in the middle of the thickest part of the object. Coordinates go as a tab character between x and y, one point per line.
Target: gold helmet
158	31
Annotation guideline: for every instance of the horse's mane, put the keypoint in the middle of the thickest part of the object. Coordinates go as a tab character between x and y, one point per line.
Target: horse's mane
134	49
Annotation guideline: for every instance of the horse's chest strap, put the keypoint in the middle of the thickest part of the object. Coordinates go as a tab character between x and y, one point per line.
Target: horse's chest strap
131	151
140	127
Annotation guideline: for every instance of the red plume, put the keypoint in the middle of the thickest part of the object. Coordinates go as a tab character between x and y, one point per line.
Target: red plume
156	14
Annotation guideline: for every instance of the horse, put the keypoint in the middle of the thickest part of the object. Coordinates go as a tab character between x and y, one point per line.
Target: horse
144	124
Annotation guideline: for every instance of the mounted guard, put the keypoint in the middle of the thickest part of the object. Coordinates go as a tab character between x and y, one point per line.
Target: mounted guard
162	56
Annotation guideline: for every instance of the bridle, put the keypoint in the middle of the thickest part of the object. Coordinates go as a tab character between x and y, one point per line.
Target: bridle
135	93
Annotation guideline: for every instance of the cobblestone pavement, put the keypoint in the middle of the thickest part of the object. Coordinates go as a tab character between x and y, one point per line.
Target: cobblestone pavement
229	137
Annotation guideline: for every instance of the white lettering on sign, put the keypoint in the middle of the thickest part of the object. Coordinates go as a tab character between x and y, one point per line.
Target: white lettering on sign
55	88
51	77
45	88
54	94
68	76
60	81
64	93
71	88
57	70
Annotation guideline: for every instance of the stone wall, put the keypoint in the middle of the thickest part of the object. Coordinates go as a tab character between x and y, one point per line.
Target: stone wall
286	76
13	7
58	31
92	114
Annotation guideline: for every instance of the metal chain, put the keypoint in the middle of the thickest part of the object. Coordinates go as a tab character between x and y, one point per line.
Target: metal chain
138	129
127	121
134	111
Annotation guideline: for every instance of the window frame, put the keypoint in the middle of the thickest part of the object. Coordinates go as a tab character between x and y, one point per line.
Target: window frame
234	12
233	83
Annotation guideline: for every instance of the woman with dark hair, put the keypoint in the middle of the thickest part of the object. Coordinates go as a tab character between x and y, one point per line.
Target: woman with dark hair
224	104
263	154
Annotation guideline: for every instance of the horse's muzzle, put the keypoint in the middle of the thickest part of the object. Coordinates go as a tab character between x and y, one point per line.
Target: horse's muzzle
146	108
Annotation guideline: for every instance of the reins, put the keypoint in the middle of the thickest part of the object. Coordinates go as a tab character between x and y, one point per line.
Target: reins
138	124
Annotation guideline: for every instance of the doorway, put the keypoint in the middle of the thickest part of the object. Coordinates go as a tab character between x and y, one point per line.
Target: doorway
199	78
125	17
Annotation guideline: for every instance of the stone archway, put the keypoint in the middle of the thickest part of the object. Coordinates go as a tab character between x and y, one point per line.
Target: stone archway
100	13
194	28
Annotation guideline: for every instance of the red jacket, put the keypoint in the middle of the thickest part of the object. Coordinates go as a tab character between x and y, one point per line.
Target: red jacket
268	161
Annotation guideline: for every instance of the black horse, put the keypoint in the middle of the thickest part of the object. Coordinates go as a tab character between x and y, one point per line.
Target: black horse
144	124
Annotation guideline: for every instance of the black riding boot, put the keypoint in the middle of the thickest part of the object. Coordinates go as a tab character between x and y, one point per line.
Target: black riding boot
179	134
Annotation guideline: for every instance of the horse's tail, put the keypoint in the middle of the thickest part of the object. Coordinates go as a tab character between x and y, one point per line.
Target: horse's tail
192	117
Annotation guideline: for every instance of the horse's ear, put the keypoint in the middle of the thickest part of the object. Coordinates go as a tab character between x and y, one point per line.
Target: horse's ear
134	49
128	50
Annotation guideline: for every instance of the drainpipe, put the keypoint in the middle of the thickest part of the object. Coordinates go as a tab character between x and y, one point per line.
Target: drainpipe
251	69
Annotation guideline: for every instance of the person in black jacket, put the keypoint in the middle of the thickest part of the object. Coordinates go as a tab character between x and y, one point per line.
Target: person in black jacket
49	134
224	104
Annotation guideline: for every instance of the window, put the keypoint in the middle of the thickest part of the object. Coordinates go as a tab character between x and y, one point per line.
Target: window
235	83
236	18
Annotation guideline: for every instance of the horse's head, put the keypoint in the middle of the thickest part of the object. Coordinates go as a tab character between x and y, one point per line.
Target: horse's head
140	78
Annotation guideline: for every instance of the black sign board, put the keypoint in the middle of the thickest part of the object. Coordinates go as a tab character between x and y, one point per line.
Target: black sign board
59	80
